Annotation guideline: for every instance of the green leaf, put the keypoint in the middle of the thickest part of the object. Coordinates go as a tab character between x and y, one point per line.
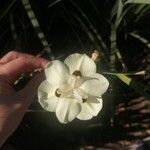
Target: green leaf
142	39
7	10
95	33
139	8
54	3
36	26
114	10
119	12
124	78
133	84
138	1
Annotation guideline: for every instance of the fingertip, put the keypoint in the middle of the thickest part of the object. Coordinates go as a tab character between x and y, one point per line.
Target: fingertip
45	63
23	64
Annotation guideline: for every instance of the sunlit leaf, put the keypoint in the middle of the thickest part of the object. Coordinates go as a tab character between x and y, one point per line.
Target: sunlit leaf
138	1
133	84
142	39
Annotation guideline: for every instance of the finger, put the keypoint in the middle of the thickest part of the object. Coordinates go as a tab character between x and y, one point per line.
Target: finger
11	56
12	70
27	94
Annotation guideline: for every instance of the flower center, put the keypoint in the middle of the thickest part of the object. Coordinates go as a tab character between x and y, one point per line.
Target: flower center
75	79
63	91
77	73
71	88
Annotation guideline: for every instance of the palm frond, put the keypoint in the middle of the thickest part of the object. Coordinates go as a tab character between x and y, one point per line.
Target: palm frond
102	44
134	84
6	10
37	28
138	1
54	3
140	38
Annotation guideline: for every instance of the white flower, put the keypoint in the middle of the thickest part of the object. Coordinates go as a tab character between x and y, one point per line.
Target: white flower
73	88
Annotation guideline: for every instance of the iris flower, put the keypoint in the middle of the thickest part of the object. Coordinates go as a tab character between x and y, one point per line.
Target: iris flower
72	89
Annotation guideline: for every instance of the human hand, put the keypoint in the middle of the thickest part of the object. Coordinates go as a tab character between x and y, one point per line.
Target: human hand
13	104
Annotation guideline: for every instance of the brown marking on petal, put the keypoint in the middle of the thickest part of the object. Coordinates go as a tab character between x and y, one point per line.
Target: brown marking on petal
84	100
57	93
77	73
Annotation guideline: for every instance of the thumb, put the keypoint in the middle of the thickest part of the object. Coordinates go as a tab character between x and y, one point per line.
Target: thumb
26	95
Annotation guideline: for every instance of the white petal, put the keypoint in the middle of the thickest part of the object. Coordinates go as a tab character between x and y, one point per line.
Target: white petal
74	61
79	95
51	104
74	81
56	73
104	83
65	90
80	62
46	90
88	66
91	87
67	110
89	110
46	96
43	90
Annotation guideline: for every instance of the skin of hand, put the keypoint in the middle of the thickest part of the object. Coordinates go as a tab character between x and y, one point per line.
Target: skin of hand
13	104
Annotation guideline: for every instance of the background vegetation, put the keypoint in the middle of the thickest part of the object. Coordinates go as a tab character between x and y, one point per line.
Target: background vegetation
120	31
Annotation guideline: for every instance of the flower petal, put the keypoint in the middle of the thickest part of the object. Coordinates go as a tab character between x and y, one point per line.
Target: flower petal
67	110
88	66
104	83
91	87
79	95
45	90
82	63
50	104
74	61
46	96
89	110
56	73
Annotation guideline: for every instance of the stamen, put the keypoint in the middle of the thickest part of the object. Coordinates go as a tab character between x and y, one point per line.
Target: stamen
84	100
57	93
77	73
